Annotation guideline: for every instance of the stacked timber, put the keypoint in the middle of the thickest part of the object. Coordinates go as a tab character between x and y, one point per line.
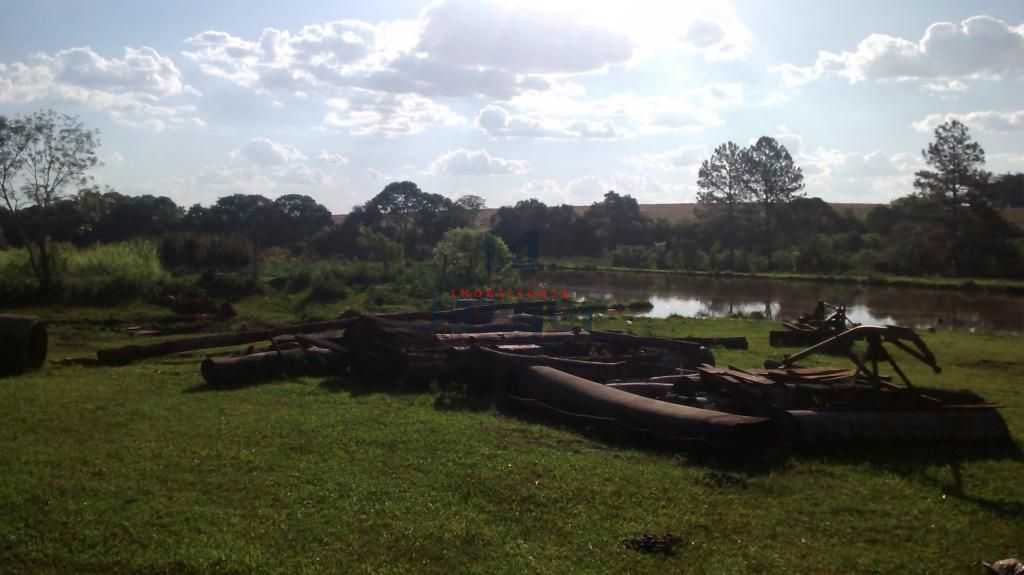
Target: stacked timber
688	354
398	350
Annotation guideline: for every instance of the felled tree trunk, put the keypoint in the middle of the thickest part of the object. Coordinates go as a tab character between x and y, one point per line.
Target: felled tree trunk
271	364
23	344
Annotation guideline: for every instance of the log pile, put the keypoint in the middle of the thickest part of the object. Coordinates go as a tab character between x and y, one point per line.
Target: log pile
659	387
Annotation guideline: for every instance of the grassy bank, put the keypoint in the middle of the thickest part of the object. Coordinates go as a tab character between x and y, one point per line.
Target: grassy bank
143	469
1008	286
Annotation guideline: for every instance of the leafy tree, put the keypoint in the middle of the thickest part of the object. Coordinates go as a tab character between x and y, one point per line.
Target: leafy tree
1007	191
616	220
15	137
771	178
533	228
398	203
720	180
413	217
472	205
957	179
40	155
467	257
295	218
286	220
240	213
125	217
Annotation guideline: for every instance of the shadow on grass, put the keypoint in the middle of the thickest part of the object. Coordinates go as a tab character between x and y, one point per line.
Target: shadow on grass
358	386
928	464
206	387
724	467
463	399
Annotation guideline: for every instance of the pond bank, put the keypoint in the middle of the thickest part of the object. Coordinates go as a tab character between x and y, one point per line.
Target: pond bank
984	285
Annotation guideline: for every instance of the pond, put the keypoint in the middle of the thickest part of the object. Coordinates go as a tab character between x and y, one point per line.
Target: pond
701	296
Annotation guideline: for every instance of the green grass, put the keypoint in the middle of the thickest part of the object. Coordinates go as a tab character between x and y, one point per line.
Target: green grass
142	469
107	273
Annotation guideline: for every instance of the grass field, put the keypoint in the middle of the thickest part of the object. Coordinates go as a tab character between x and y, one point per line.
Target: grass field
143	469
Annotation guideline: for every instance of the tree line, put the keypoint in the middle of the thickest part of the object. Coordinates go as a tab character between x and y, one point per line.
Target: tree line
752	216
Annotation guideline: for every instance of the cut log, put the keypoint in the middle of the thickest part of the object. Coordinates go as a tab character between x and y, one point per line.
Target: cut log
644	388
576	395
23	343
492	361
272	364
943	424
130	353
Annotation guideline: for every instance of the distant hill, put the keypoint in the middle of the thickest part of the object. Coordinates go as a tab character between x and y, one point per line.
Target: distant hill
674	212
685	212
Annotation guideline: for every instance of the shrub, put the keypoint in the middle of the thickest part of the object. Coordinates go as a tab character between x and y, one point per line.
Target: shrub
196	251
468	257
100	274
376	247
228	284
328	283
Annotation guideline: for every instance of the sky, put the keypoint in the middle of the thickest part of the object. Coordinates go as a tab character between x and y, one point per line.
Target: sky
560	100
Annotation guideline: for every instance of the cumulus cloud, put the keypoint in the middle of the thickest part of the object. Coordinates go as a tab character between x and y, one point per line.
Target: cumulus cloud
464	162
566	113
980	47
684	157
132	89
332	158
497	122
725	39
519	38
264	152
944	87
305	175
509	50
858	177
985	121
548	191
388	115
260	166
438	54
585	190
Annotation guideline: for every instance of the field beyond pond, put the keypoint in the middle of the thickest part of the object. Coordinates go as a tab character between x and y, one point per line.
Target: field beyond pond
143	469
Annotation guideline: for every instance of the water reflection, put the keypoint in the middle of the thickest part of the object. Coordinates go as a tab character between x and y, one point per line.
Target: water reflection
715	297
